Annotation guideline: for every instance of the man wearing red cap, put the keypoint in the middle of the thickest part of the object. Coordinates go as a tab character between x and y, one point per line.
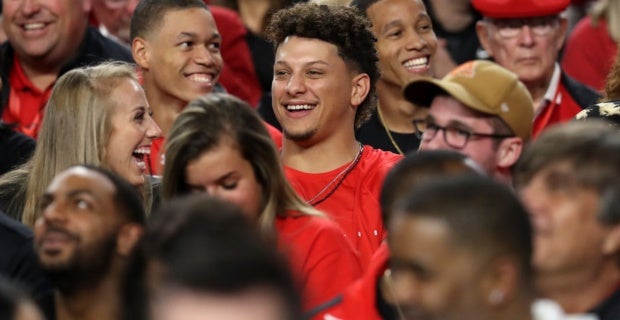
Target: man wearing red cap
525	36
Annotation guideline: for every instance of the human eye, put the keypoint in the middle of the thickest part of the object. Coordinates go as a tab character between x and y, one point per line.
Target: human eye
425	25
185	44
315	73
394	33
82	204
214	46
280	73
139	115
229	184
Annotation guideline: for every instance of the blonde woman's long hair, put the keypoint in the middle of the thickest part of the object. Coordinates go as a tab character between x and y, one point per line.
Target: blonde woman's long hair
75	130
213	119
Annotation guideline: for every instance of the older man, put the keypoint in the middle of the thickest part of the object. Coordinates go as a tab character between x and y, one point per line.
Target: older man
46	38
525	36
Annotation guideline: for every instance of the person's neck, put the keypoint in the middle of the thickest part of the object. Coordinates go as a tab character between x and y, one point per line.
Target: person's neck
518	308
165	107
43	71
322	156
396	112
100	302
453	15
579	292
537	90
252	13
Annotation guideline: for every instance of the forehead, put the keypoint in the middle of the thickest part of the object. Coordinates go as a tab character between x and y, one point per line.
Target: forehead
449	109
388	11
418	236
306	50
198	21
82	179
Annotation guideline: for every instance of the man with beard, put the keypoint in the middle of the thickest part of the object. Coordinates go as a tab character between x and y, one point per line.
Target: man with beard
90	220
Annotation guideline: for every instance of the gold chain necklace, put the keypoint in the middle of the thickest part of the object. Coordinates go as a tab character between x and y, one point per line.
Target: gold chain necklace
388	130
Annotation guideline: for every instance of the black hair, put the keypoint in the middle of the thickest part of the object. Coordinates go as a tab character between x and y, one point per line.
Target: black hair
482	216
149	14
207	245
341	26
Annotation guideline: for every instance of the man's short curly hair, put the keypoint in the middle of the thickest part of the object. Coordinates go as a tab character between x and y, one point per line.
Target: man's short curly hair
345	27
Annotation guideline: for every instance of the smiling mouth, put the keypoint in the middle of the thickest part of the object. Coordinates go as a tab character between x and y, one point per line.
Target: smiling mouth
201	78
141	154
299	107
417	64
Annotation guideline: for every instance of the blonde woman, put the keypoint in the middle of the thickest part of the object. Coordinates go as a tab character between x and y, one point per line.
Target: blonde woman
219	145
95	115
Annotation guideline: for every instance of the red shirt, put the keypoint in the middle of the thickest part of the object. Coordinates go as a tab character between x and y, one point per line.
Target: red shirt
354	205
26	102
156	160
359	301
321	257
563	108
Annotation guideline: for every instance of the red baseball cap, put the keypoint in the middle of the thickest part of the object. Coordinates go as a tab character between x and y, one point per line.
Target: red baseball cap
508	9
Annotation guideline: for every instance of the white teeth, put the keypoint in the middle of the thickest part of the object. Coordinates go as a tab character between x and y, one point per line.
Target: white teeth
203	78
33	26
141	165
297	107
418	62
142	150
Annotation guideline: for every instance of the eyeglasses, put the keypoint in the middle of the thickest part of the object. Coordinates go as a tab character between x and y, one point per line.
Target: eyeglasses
454	137
511	28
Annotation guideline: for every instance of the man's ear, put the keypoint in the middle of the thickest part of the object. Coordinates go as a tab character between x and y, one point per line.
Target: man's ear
501	281
127	237
508	152
140	50
611	245
482	30
361	88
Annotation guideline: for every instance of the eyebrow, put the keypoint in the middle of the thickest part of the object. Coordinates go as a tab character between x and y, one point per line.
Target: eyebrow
194	35
398	22
309	63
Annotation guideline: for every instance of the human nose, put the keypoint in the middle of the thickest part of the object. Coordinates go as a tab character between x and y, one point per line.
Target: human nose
205	57
54	212
415	41
30	7
526	36
153	131
295	85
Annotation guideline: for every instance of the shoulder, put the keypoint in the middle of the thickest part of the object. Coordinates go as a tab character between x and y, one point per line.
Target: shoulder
582	94
12	231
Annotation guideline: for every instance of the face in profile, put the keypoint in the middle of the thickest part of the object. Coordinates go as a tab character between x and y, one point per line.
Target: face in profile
75	234
252	304
313	89
182	56
45	28
432	277
132	131
406	42
560	208
224	173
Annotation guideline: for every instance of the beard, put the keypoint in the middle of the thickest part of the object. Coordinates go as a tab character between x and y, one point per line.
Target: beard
85	268
299	136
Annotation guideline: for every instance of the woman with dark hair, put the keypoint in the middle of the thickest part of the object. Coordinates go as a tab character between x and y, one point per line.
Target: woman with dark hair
219	145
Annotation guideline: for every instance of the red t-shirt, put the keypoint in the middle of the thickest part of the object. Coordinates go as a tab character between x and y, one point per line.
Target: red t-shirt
156	160
26	102
359	301
321	257
354	205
